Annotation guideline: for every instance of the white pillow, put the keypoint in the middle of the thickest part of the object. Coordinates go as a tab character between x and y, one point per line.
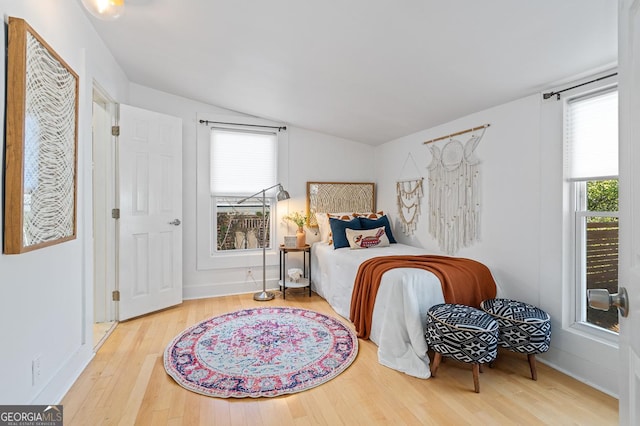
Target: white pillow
367	238
323	226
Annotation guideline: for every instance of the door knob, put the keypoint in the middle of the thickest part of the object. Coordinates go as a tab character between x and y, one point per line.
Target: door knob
175	222
601	299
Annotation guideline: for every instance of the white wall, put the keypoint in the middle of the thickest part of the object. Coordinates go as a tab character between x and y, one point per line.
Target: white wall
308	156
521	220
46	295
509	183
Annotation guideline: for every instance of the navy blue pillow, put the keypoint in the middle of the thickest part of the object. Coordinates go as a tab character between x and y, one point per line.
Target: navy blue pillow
338	233
367	223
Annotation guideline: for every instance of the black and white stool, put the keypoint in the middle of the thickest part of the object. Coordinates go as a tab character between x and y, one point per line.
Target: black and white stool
524	328
463	333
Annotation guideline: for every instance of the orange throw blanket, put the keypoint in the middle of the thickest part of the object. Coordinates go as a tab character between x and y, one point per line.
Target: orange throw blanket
463	281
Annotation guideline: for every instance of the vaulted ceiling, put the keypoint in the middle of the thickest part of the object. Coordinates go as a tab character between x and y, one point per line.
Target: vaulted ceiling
365	70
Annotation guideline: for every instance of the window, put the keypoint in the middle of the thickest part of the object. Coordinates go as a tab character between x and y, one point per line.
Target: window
592	171
234	161
240	226
242	163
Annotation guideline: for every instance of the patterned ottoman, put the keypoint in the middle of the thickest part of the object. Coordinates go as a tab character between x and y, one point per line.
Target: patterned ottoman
524	328
463	333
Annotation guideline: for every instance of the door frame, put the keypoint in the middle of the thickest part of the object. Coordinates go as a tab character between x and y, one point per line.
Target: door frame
104	198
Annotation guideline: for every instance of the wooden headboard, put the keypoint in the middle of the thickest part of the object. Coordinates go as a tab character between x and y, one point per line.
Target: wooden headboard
333	197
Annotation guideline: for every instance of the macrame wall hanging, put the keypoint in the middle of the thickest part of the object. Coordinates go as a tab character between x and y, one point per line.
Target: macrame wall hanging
454	197
409	194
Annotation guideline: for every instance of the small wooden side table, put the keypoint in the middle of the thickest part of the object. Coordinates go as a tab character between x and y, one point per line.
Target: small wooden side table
305	281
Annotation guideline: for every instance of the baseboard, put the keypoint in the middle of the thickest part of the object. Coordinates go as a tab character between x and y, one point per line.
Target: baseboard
579	378
61	382
216	290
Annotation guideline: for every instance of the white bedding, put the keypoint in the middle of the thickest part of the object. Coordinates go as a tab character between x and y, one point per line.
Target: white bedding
400	310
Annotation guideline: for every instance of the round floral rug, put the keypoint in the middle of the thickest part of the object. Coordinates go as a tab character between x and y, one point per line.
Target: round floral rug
261	352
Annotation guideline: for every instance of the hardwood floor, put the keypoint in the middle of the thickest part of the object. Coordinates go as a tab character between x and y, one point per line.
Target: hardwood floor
101	331
126	384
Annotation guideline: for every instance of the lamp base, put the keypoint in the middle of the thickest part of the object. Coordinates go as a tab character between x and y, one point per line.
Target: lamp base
263	296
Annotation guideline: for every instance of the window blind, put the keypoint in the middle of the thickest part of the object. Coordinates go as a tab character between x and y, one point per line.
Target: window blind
242	162
592	136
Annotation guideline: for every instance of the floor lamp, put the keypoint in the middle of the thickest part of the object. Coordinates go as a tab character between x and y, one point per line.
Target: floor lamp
282	195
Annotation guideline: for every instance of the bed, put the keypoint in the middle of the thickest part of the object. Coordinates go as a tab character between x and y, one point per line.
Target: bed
402	301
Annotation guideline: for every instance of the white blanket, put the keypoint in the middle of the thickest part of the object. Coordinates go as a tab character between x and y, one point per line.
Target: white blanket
399	315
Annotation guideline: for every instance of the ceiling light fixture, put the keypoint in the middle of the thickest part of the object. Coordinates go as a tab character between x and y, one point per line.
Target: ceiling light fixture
107	10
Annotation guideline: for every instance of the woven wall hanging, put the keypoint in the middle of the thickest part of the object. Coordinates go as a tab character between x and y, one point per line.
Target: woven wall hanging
454	198
409	195
41	143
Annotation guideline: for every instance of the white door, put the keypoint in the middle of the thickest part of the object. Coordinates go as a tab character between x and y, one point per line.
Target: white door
629	251
150	200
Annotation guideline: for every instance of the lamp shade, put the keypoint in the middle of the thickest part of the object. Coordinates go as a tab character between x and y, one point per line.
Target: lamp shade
107	10
282	194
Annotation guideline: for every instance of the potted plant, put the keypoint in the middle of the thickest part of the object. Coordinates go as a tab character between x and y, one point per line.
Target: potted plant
300	220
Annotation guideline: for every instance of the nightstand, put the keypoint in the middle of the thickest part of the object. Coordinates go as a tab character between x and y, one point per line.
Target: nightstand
285	281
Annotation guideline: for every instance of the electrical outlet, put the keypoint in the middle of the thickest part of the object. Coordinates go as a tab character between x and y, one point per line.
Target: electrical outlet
36	370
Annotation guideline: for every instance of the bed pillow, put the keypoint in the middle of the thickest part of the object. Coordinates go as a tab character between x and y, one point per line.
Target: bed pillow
370	215
323	226
367	238
366	223
347	216
340	216
338	228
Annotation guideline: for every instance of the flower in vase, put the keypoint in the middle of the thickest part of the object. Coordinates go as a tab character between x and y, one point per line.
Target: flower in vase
298	218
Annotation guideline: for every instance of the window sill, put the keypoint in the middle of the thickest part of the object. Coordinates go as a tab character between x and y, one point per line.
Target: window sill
237	260
595	333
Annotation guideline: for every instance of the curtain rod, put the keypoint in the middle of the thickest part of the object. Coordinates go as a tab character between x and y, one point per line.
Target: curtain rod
207	122
484	126
550	94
